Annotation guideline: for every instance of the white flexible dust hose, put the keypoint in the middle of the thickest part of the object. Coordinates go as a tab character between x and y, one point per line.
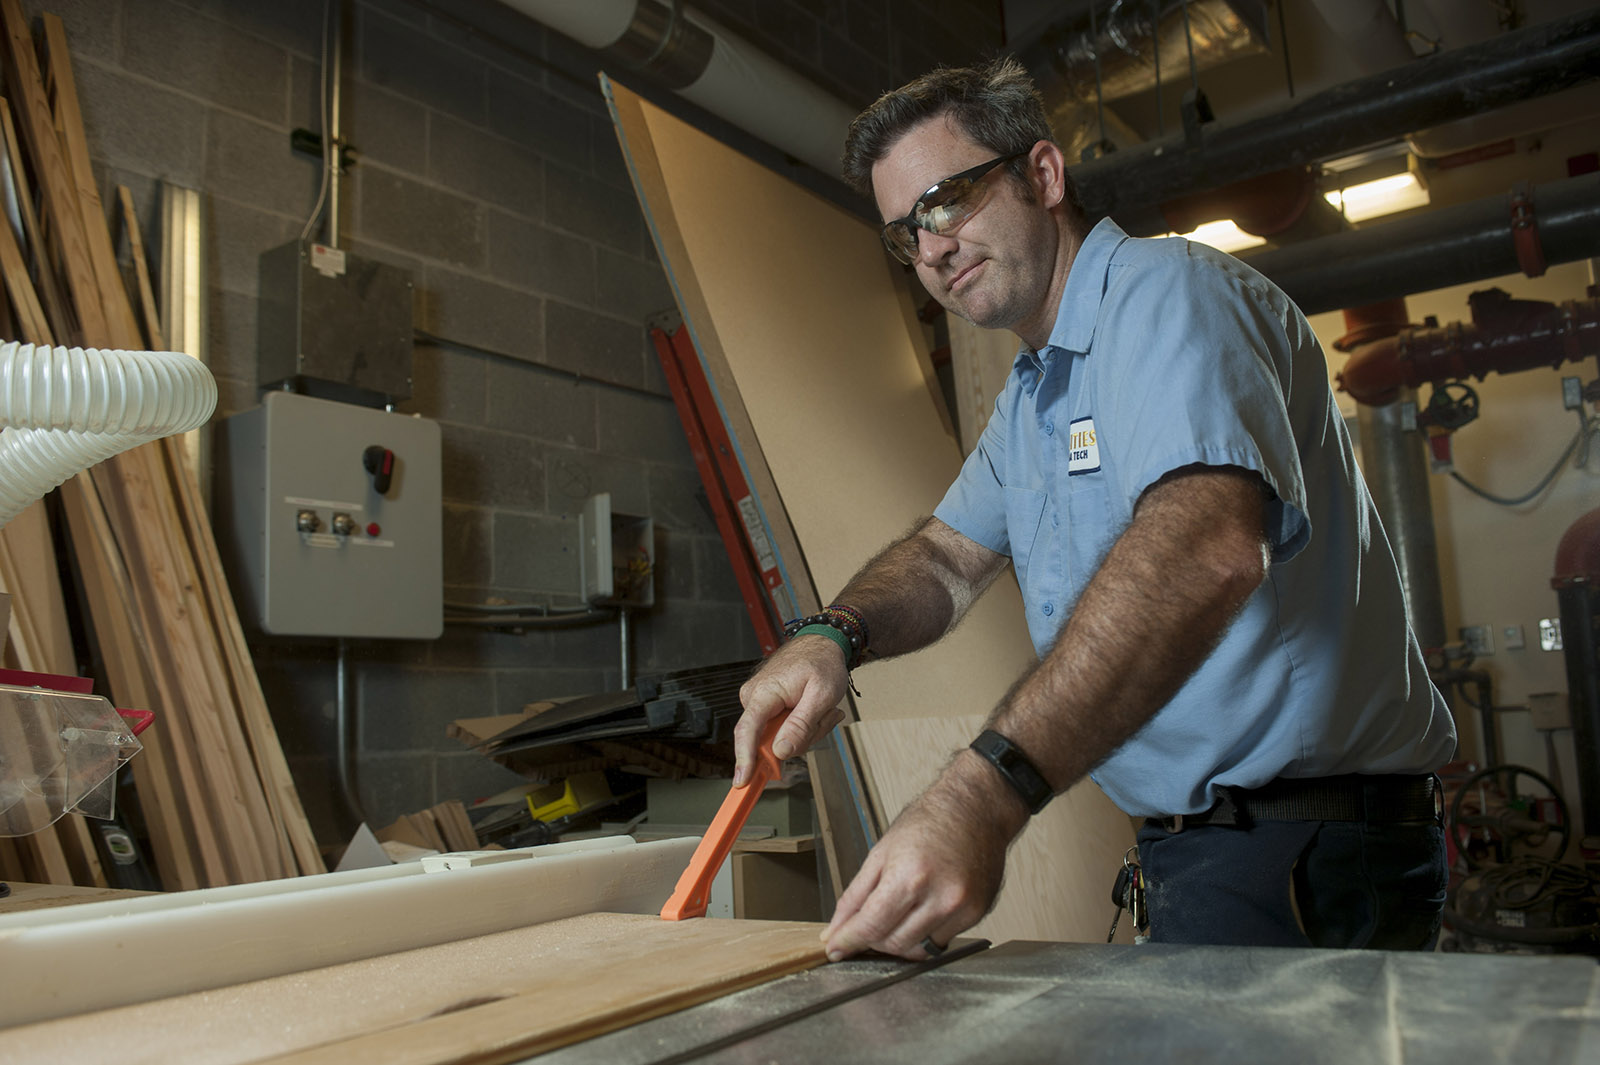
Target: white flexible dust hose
64	409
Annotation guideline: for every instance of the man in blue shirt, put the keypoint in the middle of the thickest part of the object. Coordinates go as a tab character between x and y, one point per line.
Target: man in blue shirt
1218	617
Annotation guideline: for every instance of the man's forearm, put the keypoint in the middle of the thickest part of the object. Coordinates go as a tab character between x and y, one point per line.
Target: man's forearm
916	589
1167	591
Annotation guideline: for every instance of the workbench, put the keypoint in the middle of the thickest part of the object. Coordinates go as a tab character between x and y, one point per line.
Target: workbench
1091	1003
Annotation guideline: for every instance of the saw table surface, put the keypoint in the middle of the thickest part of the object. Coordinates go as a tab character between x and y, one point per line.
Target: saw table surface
1085	1004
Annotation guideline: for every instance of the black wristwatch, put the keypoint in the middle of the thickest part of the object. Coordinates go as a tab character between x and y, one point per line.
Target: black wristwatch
1014	766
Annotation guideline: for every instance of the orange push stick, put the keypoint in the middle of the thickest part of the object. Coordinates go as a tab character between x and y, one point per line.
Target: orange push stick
694	886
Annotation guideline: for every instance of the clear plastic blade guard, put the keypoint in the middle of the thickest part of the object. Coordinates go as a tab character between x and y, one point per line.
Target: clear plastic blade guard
59	754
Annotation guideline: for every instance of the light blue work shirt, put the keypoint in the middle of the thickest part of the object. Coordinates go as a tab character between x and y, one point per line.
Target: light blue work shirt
1165	354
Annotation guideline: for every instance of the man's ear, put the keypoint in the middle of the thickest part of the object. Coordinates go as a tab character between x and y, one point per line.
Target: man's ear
1048	169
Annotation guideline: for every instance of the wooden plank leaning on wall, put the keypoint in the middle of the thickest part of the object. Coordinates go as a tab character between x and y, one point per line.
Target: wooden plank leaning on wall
215	789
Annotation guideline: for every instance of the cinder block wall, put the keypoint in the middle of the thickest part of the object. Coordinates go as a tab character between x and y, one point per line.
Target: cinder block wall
488	168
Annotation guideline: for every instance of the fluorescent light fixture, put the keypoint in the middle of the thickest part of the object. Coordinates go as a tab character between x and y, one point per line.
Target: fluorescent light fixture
1370	199
1223	235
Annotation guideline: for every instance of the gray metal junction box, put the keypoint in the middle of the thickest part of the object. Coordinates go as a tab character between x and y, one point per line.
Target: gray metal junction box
329	518
329	316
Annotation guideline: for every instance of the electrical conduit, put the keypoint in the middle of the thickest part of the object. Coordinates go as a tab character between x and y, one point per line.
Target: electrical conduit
65	409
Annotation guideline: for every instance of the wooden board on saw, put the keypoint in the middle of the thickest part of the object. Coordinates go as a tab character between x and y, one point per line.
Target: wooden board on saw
809	339
493	998
1047	894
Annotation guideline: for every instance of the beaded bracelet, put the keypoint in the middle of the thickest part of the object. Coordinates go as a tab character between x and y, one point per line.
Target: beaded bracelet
844	625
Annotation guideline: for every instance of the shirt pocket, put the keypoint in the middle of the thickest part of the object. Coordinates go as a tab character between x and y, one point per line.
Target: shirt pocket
1024	510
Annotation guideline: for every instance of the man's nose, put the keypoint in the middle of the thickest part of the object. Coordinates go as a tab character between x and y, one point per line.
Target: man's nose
933	248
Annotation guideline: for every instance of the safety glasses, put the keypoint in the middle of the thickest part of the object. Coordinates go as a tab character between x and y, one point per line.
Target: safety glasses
943	207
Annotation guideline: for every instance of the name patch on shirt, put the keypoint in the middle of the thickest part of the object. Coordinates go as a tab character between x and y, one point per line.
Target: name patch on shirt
1083	454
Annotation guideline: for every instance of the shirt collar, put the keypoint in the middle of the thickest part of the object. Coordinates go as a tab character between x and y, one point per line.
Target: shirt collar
1086	286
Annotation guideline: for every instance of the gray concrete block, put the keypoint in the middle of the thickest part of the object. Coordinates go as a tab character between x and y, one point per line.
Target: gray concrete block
642	427
391	785
468	543
540	404
675	564
630	287
447	384
536	553
142	127
469	310
683	635
254	164
678	500
609	163
525	111
93	31
594	345
409	709
234	395
601	212
481	648
573	475
316	781
856	73
421	219
383	127
238	234
301	694
713	572
231	335
485	166
206	57
550	262
489	468
469	776
295	25
407	60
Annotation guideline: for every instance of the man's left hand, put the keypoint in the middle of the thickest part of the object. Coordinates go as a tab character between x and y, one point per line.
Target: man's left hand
932	876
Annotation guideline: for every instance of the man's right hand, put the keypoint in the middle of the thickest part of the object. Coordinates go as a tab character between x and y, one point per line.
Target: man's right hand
806	675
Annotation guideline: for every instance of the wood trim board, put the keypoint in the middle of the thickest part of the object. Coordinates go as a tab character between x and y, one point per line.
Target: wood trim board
493	998
111	954
805	330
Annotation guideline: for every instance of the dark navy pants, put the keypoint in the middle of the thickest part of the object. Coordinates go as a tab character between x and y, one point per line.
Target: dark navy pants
1296	884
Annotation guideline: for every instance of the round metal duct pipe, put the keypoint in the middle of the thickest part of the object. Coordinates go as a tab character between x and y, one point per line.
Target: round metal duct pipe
708	66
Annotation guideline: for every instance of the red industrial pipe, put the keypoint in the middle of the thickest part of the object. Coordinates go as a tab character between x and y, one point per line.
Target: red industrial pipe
1504	336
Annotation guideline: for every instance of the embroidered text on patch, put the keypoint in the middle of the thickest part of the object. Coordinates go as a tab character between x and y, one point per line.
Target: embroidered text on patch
1083	455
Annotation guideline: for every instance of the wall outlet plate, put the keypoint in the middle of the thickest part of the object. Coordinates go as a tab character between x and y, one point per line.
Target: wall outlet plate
1478	640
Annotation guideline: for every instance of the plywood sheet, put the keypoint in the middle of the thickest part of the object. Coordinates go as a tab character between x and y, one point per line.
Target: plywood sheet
492	998
798	317
1048	894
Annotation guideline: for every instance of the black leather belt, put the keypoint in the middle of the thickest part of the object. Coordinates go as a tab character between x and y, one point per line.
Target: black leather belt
1355	797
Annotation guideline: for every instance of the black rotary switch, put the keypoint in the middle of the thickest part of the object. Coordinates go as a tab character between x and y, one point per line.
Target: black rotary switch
379	461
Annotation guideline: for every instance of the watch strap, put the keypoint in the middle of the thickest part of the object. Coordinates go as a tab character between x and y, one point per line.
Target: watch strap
1014	767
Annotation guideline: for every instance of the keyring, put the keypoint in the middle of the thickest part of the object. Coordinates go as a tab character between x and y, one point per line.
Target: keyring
930	948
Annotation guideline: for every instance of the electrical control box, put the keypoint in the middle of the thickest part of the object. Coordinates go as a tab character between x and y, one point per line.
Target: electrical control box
617	556
329	518
331	318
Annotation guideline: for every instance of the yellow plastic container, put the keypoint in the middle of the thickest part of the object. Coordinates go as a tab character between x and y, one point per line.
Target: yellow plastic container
568	796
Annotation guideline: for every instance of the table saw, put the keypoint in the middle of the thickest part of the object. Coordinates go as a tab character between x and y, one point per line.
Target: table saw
506	961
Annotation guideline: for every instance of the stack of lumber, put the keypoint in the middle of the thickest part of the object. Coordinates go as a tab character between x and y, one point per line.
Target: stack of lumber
445	827
213	784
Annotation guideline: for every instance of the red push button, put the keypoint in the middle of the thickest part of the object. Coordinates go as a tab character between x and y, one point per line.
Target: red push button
373	529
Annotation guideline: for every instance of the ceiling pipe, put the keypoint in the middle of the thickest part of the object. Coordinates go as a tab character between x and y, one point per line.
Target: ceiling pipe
1504	336
710	67
1130	185
1434	249
1125	41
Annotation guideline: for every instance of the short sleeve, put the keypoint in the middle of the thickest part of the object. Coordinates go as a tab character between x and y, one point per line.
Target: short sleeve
974	505
1199	370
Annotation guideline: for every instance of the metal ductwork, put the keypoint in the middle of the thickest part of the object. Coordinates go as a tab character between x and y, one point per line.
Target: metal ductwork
1442	247
1130	185
708	66
1097	58
1117	55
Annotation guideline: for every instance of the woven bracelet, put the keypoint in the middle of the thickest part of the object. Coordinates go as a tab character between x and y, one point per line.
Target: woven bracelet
842	624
